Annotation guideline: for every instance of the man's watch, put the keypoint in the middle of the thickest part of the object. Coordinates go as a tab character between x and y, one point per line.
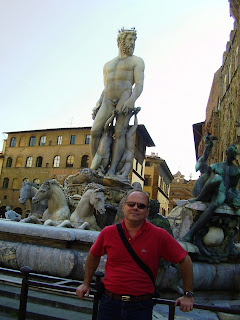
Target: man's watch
189	294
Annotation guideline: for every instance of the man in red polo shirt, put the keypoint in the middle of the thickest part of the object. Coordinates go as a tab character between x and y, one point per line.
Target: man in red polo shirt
123	277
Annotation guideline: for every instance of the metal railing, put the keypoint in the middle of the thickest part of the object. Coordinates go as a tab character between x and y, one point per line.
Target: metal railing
171	305
26	283
95	292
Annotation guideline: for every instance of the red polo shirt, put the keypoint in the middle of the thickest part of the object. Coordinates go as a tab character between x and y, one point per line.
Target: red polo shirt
122	274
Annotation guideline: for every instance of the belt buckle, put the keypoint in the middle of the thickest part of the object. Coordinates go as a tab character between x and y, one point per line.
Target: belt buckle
125	298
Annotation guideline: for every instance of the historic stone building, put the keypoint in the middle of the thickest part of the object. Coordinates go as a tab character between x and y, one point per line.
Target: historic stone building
223	108
157	181
39	155
1	161
180	189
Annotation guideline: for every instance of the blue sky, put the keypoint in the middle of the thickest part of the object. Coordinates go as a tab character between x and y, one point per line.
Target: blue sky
53	51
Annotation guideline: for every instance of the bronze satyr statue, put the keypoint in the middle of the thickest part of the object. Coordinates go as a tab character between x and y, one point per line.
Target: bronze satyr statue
219	188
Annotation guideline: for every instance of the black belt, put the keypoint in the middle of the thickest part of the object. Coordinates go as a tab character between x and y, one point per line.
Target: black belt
125	297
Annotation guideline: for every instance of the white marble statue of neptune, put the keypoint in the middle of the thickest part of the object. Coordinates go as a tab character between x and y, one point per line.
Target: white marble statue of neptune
123	84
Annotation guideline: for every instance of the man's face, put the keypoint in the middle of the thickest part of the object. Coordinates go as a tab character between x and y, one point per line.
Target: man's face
128	44
135	214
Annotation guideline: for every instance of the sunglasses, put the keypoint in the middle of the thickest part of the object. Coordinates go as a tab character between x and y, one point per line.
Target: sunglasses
132	204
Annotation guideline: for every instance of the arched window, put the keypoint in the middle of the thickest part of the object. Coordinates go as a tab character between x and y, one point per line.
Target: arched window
73	139
84	162
13	142
29	162
15	183
42	140
87	139
39	162
9	162
19	162
147	180
2	211
59	140
70	161
5	183
136	165
56	161
18	210
32	141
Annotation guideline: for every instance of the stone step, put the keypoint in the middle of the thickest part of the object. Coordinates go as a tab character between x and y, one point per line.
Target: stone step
36	311
43	305
4	316
55	299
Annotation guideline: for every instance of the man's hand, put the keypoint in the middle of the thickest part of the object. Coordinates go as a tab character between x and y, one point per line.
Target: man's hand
128	106
185	303
83	290
92	263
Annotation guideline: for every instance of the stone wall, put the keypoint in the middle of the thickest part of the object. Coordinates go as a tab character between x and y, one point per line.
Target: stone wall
223	112
229	111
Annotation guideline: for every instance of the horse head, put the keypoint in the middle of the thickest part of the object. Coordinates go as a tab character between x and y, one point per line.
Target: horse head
43	192
97	200
26	192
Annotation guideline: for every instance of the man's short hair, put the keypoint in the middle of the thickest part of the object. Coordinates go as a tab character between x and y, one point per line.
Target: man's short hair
140	191
123	33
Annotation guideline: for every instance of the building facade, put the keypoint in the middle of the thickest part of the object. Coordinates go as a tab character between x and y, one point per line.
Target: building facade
223	108
39	155
157	181
180	189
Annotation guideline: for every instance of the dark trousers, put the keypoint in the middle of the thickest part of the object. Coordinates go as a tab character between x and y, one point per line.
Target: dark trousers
110	309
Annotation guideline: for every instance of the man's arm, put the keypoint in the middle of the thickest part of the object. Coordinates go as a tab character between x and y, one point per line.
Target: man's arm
186	304
138	75
92	263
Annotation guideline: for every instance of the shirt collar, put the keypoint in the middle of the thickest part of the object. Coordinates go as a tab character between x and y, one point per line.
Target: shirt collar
144	227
